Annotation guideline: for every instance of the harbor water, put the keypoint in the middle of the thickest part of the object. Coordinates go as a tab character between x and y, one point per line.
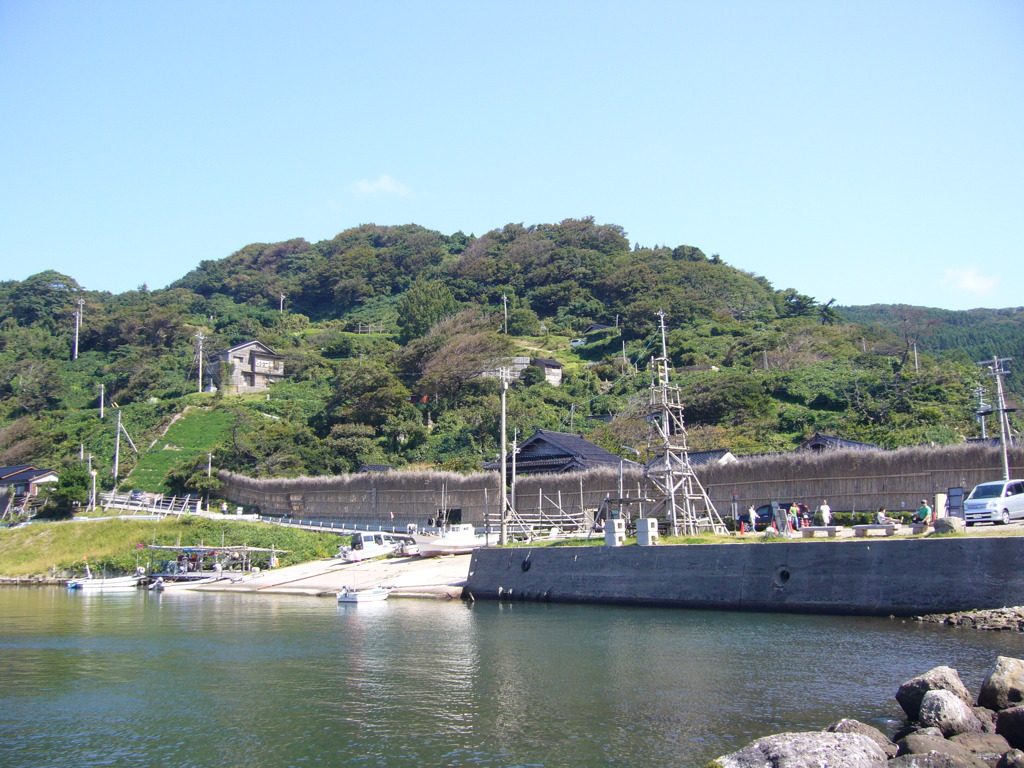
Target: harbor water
258	681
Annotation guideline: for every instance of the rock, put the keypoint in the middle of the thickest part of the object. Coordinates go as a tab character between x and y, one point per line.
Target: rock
987	746
943	710
1010	723
950	525
1004	686
912	691
848	725
933	760
987	718
807	750
917	745
1012	759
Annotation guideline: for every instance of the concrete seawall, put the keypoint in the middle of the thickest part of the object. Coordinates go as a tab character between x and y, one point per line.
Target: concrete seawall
867	577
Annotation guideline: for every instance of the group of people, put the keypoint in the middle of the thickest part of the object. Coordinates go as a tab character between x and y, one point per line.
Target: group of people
799	515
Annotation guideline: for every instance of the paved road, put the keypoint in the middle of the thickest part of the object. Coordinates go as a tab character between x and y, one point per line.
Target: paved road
437	577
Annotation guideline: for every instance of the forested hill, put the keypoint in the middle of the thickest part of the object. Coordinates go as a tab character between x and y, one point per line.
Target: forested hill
388	334
974	335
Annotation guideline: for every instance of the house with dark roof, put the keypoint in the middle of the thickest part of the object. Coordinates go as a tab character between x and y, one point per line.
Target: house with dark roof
548	452
248	367
374	468
821	442
26	479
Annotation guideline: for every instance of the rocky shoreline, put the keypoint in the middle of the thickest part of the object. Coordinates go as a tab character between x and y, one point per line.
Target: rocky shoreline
945	727
1006	619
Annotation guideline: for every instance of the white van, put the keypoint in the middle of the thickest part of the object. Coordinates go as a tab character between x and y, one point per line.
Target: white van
997	502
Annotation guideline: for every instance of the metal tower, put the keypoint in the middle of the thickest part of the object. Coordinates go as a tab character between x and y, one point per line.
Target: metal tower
672	488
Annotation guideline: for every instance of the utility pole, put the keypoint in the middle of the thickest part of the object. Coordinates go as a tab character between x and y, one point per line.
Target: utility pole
78	325
200	338
916	368
503	533
504	301
280	307
117	447
997	371
101	401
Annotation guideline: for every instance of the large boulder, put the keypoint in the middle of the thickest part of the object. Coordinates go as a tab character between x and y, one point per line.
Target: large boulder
1010	724
1012	759
848	725
950	525
934	760
987	718
1004	685
919	745
943	710
806	750
987	746
912	691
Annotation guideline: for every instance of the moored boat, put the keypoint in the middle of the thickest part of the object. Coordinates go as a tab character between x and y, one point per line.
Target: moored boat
374	595
456	539
114	584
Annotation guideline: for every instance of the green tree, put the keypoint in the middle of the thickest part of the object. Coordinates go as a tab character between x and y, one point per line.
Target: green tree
425	303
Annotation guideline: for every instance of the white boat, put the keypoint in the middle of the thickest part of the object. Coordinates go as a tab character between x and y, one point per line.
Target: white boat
365	545
456	539
374	595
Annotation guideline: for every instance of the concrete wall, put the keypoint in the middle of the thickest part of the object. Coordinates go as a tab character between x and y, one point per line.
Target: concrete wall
863	576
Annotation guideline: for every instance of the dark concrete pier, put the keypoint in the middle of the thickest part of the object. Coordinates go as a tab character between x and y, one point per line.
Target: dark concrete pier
879	577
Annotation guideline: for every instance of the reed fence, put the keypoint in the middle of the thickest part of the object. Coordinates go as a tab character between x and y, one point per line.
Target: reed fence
851	480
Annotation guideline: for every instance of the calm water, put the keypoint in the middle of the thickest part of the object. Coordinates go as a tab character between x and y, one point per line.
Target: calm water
251	681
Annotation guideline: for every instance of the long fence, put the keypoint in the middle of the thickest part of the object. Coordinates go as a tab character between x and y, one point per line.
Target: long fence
850	480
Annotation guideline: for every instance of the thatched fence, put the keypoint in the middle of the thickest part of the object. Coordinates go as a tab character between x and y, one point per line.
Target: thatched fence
399	498
851	481
856	480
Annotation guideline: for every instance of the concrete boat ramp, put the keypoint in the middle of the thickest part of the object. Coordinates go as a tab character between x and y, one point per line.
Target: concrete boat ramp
424	577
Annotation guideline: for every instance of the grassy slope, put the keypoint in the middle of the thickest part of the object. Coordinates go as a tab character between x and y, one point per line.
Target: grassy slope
60	548
194	434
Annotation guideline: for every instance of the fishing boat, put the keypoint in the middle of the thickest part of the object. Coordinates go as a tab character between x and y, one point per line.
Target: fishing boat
457	539
116	584
374	595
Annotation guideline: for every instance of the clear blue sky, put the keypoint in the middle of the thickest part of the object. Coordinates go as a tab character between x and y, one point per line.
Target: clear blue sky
867	151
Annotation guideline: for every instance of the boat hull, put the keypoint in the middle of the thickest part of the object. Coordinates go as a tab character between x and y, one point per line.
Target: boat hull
374	595
121	584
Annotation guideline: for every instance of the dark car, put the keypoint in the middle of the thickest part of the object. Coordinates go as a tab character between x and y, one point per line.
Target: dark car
767	512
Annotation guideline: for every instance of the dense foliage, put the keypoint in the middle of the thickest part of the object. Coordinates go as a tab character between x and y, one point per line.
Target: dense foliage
391	335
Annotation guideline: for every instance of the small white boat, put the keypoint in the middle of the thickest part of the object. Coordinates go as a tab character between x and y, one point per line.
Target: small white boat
115	584
457	539
119	584
374	595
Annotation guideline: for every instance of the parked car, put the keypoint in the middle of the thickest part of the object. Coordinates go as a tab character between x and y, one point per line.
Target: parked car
766	513
999	501
137	496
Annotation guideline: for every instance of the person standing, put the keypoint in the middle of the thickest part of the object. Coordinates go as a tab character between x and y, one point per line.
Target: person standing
752	518
825	511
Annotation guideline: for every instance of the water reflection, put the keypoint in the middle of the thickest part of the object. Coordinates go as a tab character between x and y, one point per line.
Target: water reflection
255	680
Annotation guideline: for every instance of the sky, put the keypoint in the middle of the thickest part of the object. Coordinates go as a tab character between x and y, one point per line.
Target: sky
867	151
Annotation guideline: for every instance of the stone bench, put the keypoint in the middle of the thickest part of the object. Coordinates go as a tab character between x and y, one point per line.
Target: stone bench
810	531
916	528
866	530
